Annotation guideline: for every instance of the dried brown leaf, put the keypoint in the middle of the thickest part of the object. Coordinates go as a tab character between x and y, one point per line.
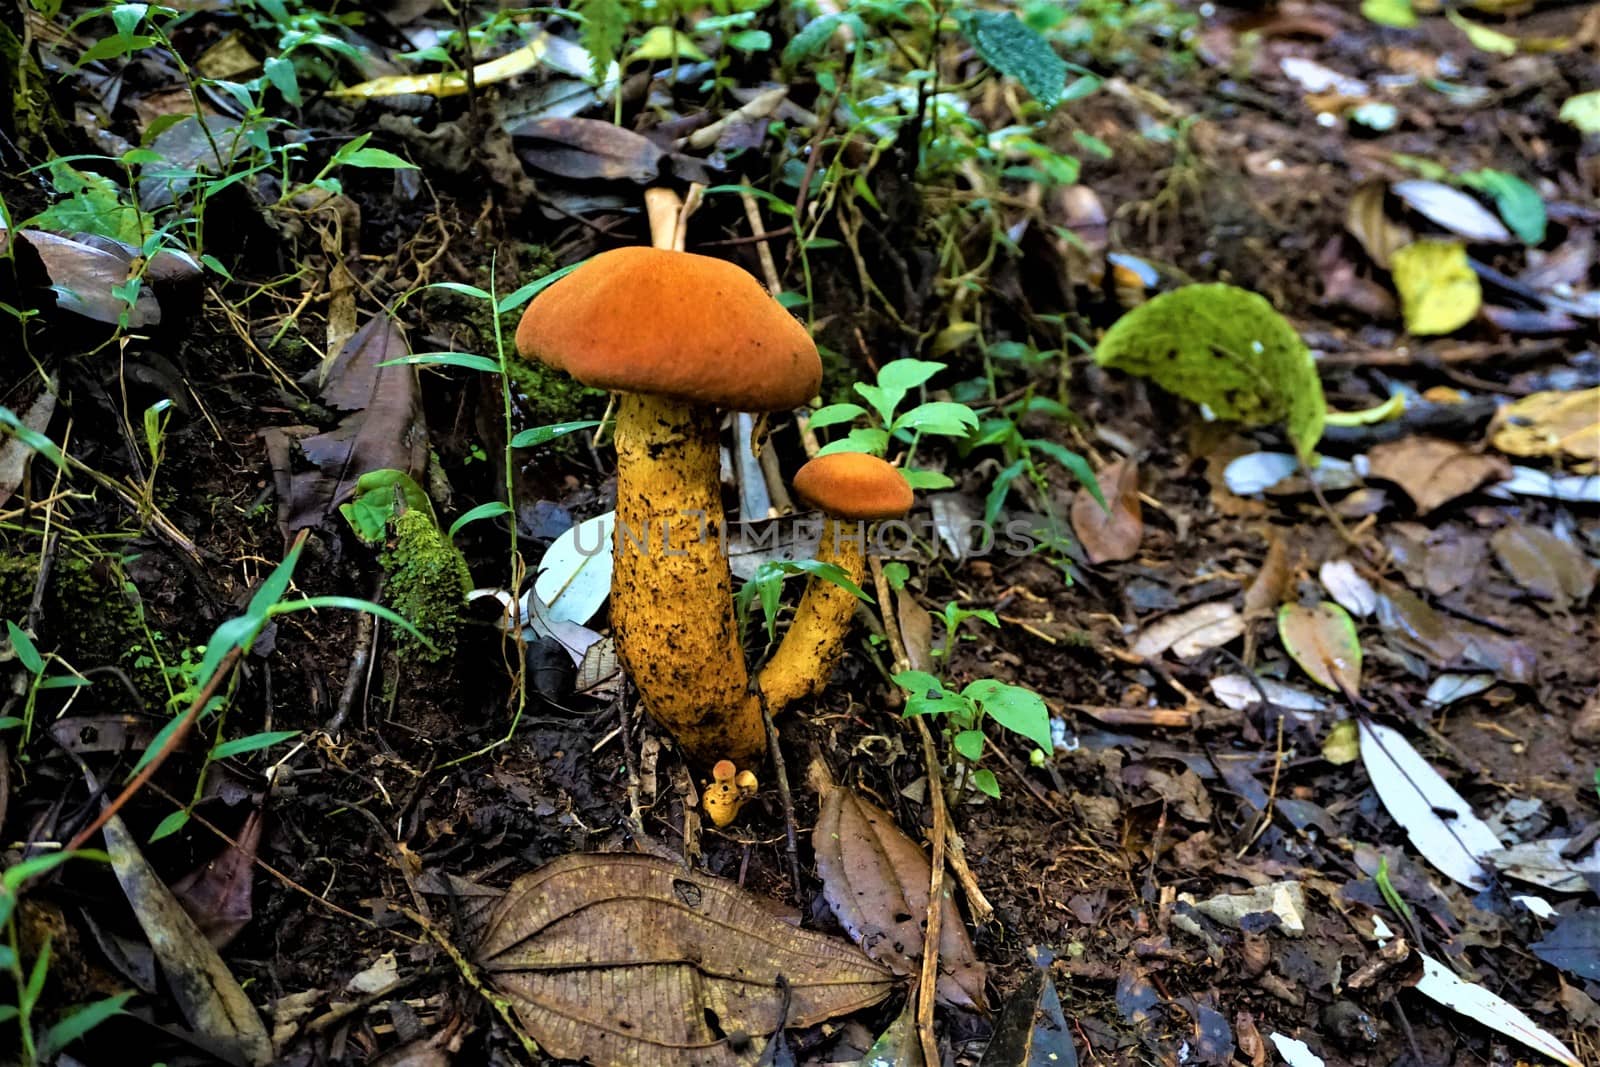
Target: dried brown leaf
1544	564
875	879
1112	533
218	893
586	149
1434	471
1369	222
1272	581
1191	632
633	960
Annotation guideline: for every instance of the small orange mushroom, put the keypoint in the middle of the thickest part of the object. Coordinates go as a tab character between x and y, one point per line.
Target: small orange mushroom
852	490
679	336
728	791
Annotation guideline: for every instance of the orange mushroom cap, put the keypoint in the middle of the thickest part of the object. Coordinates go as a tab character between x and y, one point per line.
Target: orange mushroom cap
647	320
853	485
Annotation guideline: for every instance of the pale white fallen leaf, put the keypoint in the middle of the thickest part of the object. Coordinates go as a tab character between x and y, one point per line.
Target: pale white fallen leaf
1240	691
1192	632
536	622
1452	686
1317	79
1294	1052
1452	209
575	573
383	973
1437	820
1286	900
1442	985
1353	592
1525	481
1258	471
1538	906
1541	863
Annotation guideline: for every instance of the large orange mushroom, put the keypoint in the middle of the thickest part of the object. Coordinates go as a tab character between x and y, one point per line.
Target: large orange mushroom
680	337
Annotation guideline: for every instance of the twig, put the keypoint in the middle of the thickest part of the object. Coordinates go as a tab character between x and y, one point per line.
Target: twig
469	974
635	808
781	773
366	631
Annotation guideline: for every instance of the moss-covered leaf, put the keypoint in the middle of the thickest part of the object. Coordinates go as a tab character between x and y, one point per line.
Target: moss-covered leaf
1227	349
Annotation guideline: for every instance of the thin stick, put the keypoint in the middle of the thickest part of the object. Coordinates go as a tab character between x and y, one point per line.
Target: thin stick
781	772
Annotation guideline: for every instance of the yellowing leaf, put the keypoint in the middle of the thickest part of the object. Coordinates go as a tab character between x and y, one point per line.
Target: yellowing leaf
1323	641
664	42
1550	423
1439	291
1482	37
453	82
1343	743
1583	111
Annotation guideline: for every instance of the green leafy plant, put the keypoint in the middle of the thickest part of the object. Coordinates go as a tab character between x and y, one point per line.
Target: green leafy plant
962	716
885	422
38	1047
37	664
765	588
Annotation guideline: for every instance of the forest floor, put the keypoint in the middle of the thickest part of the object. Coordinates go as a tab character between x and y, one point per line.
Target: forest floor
1232	847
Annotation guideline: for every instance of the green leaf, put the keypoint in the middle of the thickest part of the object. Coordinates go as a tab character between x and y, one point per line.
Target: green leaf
1074	463
984	781
1323	640
1396	13
1019	710
14	876
174	822
27	651
1439	290
817	33
543	435
918	683
488	510
1583	111
28	995
1016	50
1482	37
447	359
351	603
605	27
834	414
252	743
376	158
927	479
861	439
77	1022
281	73
112	47
31	437
465	290
64	681
941	417
1225	348
1518	202
970	744
896	573
522	295
750	41
996	497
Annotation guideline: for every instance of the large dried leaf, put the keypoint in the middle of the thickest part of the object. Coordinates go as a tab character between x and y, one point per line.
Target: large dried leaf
1433	471
219	893
84	273
875	879
1112	533
633	960
586	149
1544	564
207	993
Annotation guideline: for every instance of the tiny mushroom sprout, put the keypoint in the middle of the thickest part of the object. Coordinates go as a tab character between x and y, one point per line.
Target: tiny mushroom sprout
851	489
728	791
680	337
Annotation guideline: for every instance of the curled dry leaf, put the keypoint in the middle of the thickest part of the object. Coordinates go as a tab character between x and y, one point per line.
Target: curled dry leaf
1192	632
1112	533
1433	471
1367	219
1323	640
1271	583
586	150
875	879
633	960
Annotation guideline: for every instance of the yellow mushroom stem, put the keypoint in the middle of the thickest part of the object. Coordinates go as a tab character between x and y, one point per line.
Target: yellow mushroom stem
671	591
811	649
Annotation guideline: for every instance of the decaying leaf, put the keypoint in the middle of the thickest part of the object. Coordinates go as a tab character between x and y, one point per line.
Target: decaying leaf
1323	640
218	893
1574	945
1550	424
1191	632
1544	564
85	273
875	879
632	960
1032	1030
1370	223
383	429
543	47
210	997
1439	291
1544	864
1434	471
1110	534
1437	820
15	454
